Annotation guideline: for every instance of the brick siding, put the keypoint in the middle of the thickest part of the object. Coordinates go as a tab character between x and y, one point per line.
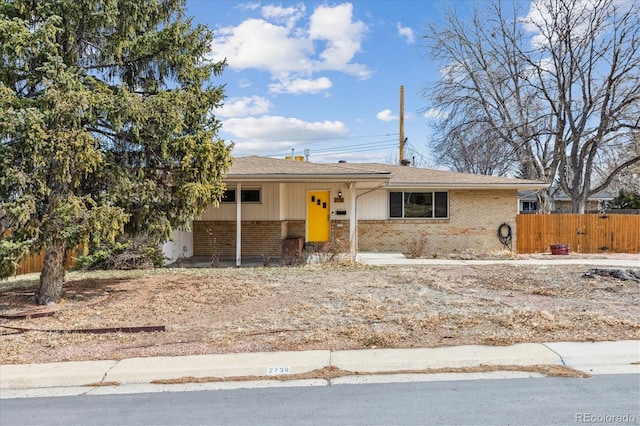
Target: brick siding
294	228
340	234
219	237
474	218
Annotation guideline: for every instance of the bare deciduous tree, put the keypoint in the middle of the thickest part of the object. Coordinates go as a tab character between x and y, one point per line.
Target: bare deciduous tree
559	86
628	180
474	149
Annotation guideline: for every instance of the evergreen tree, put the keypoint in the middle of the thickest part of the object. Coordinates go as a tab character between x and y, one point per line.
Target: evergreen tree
626	200
106	126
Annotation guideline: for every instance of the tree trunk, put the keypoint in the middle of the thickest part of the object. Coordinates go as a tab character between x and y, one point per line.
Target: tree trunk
578	204
52	275
545	200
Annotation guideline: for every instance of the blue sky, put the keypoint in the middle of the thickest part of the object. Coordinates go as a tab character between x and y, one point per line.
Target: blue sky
323	76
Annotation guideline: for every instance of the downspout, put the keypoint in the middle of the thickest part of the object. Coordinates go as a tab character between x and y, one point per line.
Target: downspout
239	224
354	225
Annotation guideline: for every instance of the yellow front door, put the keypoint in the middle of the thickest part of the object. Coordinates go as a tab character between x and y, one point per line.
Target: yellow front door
318	216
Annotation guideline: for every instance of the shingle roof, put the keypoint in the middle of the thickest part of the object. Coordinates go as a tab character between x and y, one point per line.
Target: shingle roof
255	167
264	168
404	175
562	196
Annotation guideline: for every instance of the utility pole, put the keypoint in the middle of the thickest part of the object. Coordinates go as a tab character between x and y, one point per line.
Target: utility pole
401	124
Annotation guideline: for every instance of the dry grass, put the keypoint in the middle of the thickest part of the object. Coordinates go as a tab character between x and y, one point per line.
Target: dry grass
332	306
330	373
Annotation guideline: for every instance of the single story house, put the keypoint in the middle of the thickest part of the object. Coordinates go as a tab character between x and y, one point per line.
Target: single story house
529	202
364	206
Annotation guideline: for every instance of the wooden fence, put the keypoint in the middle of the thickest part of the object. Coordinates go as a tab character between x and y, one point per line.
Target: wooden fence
34	262
585	233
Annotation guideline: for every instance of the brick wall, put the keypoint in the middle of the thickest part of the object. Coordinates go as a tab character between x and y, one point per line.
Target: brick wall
340	232
219	237
294	228
474	218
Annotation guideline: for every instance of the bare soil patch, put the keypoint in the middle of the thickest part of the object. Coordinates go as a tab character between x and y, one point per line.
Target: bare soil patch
332	306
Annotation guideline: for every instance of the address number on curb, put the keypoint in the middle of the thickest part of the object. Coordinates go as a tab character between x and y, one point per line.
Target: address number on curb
278	370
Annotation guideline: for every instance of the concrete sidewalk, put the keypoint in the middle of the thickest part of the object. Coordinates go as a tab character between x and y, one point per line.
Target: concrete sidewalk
395	258
93	377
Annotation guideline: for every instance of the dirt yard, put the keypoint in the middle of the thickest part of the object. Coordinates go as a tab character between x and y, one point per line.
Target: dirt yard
330	306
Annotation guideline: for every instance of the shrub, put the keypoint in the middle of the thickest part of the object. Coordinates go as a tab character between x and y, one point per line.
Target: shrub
136	254
417	247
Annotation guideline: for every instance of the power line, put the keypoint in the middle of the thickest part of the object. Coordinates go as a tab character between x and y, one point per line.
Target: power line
343	151
364	147
368	144
423	159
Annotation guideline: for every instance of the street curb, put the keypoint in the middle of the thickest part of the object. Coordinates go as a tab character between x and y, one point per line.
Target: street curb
600	357
376	360
140	370
594	357
54	374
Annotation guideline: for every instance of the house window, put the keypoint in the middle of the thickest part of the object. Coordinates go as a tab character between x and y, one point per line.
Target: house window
247	196
418	204
529	206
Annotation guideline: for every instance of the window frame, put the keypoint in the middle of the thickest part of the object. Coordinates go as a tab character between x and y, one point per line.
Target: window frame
403	198
243	191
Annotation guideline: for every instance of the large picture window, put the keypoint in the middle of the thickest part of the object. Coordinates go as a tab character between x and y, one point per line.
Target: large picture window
247	196
405	204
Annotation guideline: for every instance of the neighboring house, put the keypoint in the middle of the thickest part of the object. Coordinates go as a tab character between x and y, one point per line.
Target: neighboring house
365	206
528	202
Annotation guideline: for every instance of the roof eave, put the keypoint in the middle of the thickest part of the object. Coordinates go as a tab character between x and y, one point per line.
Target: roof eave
308	178
458	185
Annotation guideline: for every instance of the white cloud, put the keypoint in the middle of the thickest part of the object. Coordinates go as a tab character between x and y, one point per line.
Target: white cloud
453	72
386	115
287	15
344	37
406	32
244	83
540	19
277	128
289	47
301	86
249	6
258	44
435	113
242	107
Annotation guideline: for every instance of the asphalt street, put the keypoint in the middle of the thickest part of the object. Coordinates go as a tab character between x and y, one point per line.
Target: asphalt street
603	399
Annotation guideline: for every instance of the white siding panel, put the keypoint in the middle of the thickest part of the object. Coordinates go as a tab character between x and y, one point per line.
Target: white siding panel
222	212
295	208
173	249
268	209
287	201
284	201
296	198
373	206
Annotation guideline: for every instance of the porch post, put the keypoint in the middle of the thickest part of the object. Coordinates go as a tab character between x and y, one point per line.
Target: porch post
238	224
353	229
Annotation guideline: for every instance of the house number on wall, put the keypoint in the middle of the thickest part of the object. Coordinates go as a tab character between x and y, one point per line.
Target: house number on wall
278	370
